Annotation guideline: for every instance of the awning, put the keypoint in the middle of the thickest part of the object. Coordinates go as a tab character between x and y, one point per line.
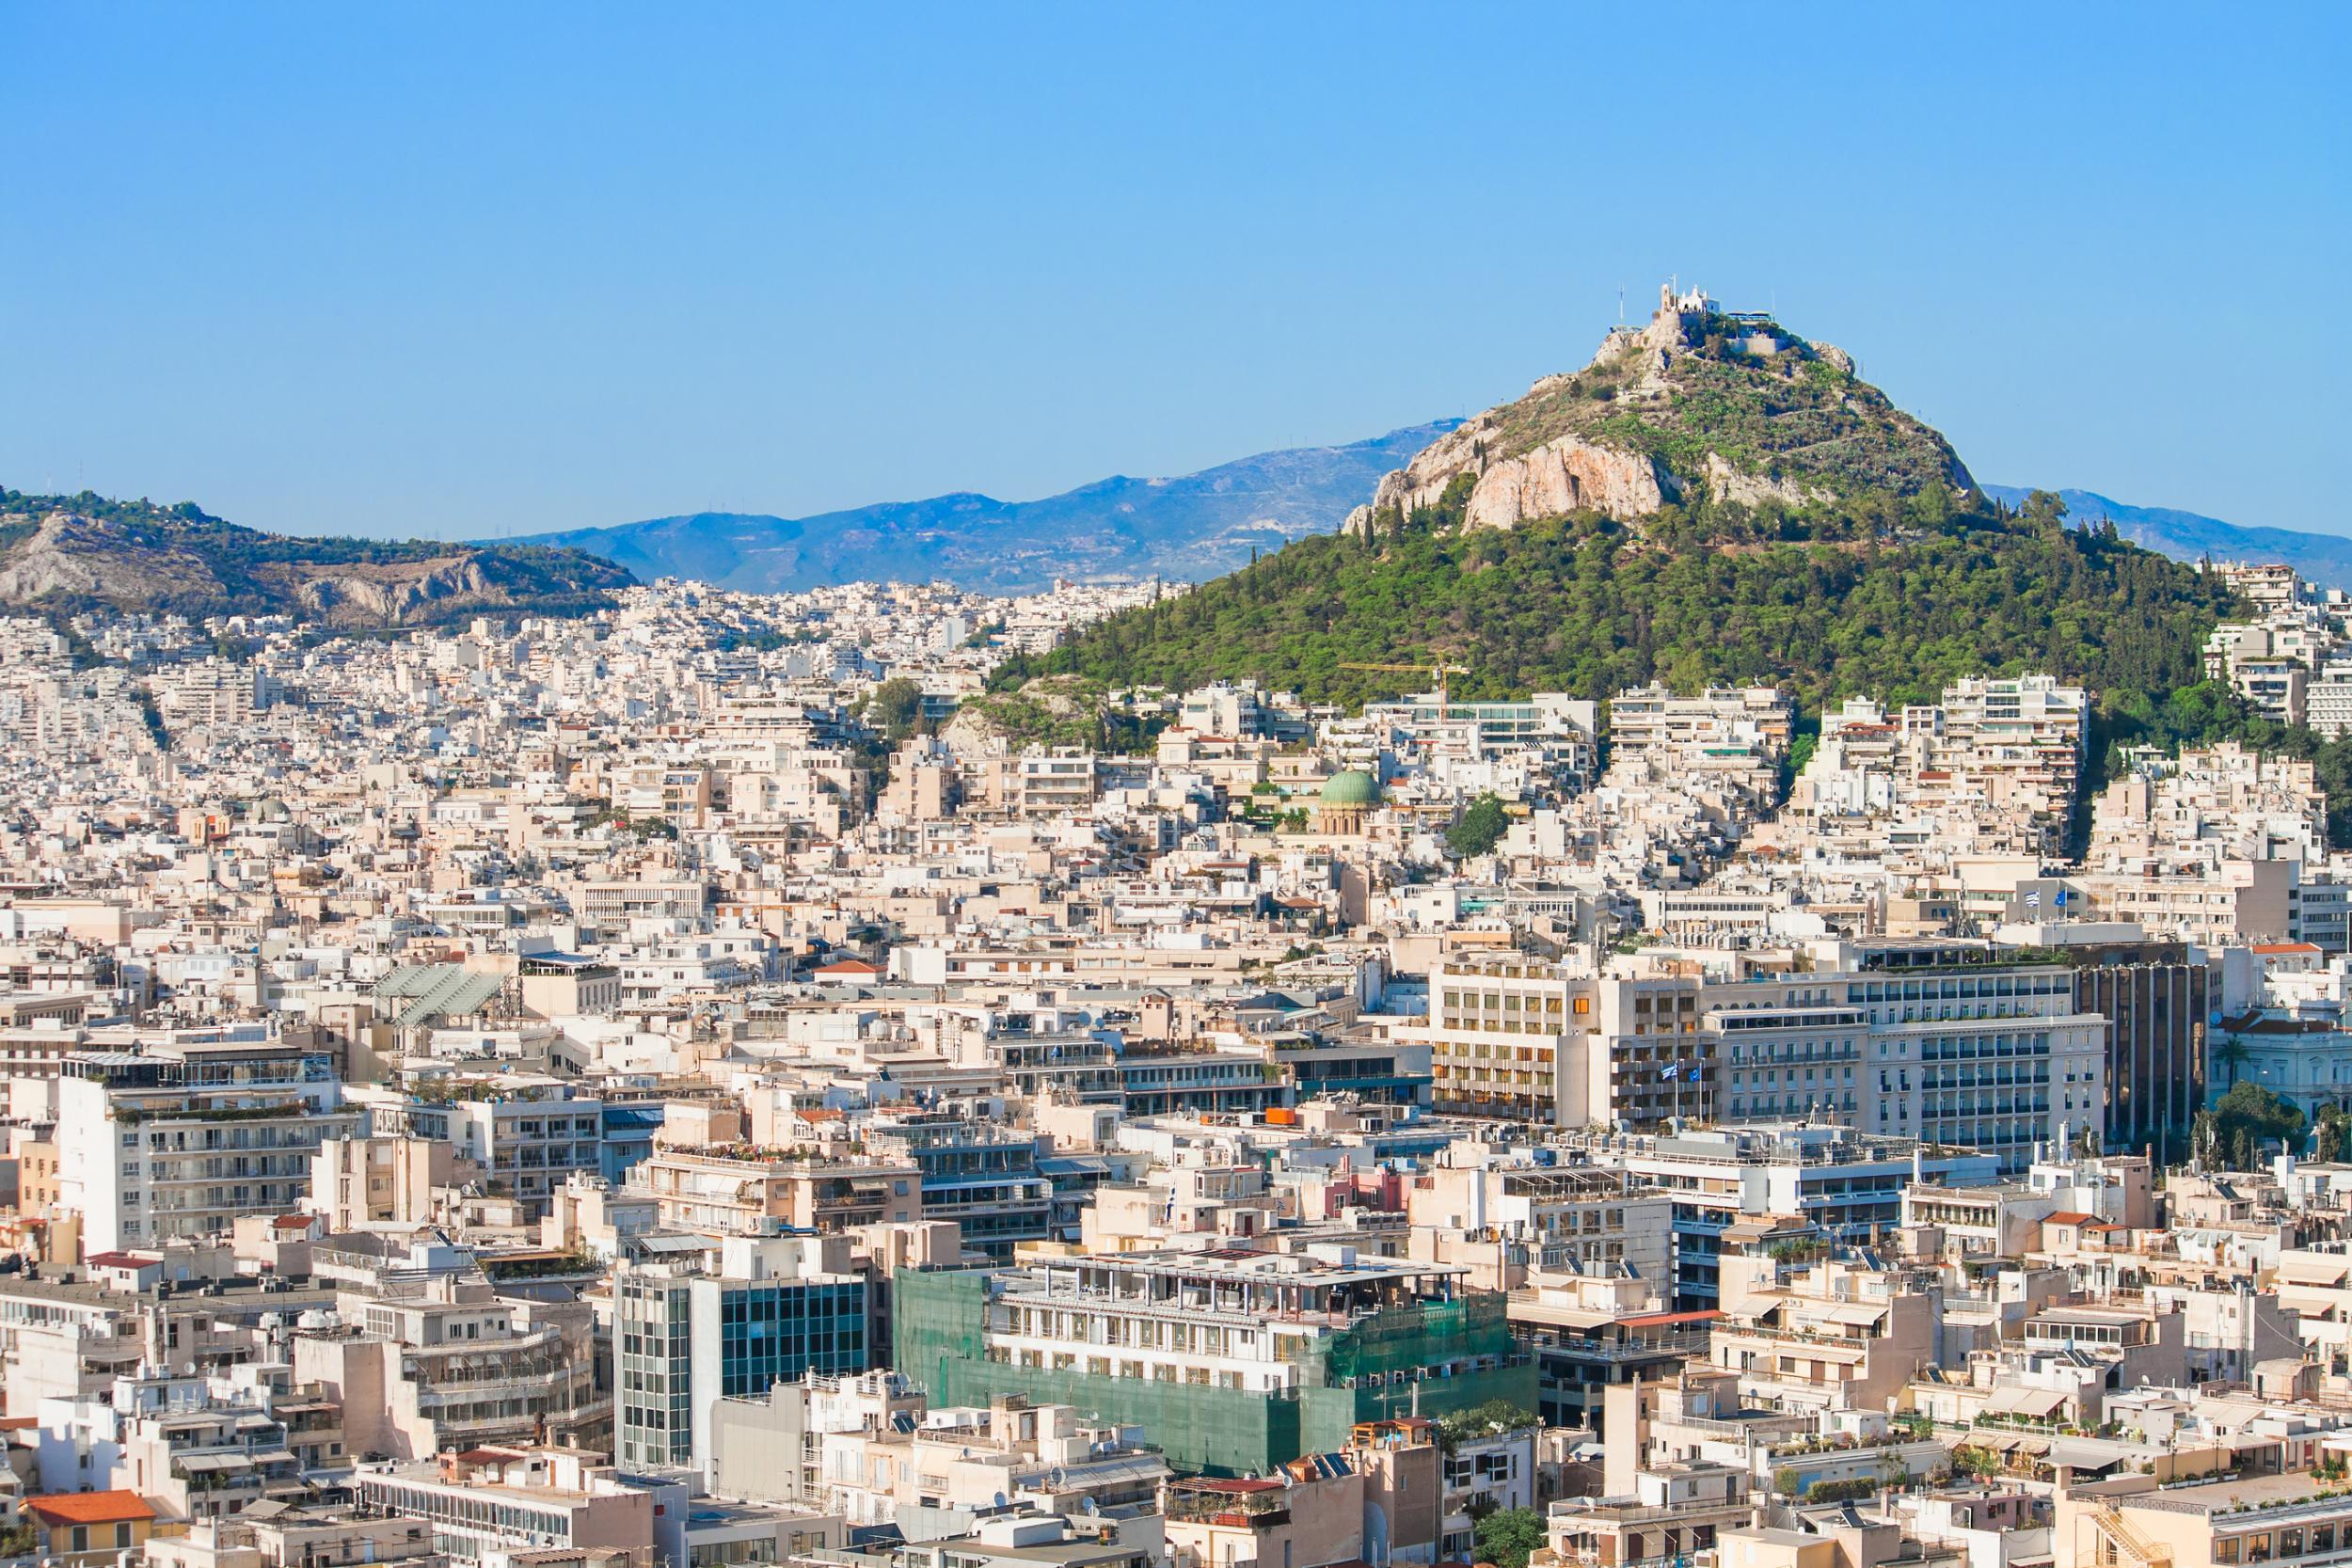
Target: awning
1855	1314
2037	1403
202	1463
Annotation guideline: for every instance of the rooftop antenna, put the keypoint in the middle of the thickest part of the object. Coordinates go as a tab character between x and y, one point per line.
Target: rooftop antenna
1620	305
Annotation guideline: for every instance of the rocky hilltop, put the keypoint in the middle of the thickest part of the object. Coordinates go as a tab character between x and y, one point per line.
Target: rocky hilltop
59	553
1700	401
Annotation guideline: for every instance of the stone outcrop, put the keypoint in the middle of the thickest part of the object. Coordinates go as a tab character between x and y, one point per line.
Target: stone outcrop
392	594
1568	474
1419	483
1725	482
75	557
206	567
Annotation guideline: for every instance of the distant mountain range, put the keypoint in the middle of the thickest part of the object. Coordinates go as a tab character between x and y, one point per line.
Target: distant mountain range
1193	527
1186	528
2322	558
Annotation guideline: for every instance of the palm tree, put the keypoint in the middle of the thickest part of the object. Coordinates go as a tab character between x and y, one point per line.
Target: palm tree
2230	1051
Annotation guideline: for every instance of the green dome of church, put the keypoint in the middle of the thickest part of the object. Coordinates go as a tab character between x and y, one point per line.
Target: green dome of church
1354	787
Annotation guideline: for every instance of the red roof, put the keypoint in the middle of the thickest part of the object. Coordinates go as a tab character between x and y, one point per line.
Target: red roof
1659	1319
2286	947
120	1261
88	1508
2069	1216
849	966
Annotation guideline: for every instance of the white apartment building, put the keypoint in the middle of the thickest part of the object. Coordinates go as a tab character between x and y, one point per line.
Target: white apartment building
529	1135
1929	1040
179	1140
1651	718
1847	1183
1526	1039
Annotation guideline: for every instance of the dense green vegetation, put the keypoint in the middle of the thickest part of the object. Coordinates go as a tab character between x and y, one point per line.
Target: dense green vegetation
895	708
1507	1537
1889	597
1884	601
1054	713
1480	830
2243	1123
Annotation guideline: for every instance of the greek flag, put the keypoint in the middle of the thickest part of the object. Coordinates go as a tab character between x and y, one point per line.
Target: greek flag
2033	897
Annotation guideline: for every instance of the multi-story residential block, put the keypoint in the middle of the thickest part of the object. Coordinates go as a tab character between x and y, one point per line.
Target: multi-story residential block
1526	1040
1653	719
1589	1333
983	1175
750	1192
488	1505
427	1356
180	1139
360	1181
529	1136
1829	1180
1946	1043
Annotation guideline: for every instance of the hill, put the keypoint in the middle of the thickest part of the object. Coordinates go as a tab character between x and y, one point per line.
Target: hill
1699	404
1887	599
75	553
1184	529
2322	558
1859	563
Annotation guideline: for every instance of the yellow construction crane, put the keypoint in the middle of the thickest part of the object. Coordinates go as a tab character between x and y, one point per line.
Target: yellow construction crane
1436	673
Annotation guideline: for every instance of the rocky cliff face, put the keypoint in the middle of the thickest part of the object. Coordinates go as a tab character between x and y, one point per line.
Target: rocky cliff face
137	557
396	594
1698	401
75	557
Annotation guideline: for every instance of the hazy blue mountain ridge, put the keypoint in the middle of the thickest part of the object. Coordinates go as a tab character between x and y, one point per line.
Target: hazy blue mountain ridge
1189	528
2322	558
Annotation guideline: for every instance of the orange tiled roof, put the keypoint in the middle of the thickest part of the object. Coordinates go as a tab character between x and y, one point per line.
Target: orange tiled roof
89	1508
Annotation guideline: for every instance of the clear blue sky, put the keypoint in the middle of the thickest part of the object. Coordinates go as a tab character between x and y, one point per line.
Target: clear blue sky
477	270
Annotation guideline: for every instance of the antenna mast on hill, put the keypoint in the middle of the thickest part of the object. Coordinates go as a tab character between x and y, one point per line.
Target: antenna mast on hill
1620	305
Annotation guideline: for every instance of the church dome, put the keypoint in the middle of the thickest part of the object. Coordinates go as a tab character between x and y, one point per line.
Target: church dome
1354	787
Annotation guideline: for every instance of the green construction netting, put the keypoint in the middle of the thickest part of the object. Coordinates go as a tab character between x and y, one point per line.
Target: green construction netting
938	1317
